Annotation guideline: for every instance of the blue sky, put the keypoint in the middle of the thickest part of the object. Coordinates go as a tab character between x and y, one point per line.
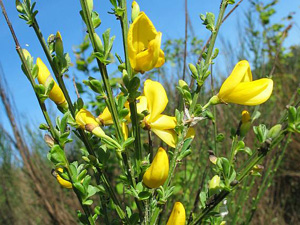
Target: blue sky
63	16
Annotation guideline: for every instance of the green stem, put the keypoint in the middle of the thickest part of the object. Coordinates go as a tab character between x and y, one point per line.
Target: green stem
72	110
111	105
124	26
132	103
208	59
173	165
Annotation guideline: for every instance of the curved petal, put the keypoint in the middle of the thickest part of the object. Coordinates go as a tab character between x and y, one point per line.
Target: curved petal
141	104
240	73
105	117
251	93
163	122
43	73
157	173
140	32
157	99
161	59
168	136
177	216
147	59
125	131
56	93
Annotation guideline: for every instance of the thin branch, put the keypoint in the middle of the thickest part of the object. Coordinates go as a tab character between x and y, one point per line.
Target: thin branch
76	90
224	19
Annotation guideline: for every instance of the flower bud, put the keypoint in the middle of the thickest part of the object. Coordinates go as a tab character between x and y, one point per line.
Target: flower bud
245	123
26	53
214	185
177	216
274	131
64	183
214	182
98	43
182	84
49	140
193	70
59	48
158	171
56	93
19	6
135	10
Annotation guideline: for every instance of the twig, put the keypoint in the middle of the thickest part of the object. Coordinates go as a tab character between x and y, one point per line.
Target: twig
76	90
284	34
225	18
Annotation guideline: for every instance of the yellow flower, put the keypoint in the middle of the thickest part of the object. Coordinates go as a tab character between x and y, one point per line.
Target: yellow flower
87	121
105	117
162	125
239	88
62	181
144	45
56	93
177	216
158	171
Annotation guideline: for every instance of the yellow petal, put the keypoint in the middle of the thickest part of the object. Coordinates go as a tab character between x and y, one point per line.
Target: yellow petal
105	117
146	60
190	133
158	171
162	122
64	183
167	136
177	216
161	59
141	104
125	131
141	31
56	93
84	117
157	99
250	93
240	73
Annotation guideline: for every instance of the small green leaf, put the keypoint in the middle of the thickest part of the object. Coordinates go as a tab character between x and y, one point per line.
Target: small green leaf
144	195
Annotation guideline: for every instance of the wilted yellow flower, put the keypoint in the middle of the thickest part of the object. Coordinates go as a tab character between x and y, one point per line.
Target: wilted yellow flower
240	89
162	125
56	93
62	181
144	45
177	216
87	121
158	171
